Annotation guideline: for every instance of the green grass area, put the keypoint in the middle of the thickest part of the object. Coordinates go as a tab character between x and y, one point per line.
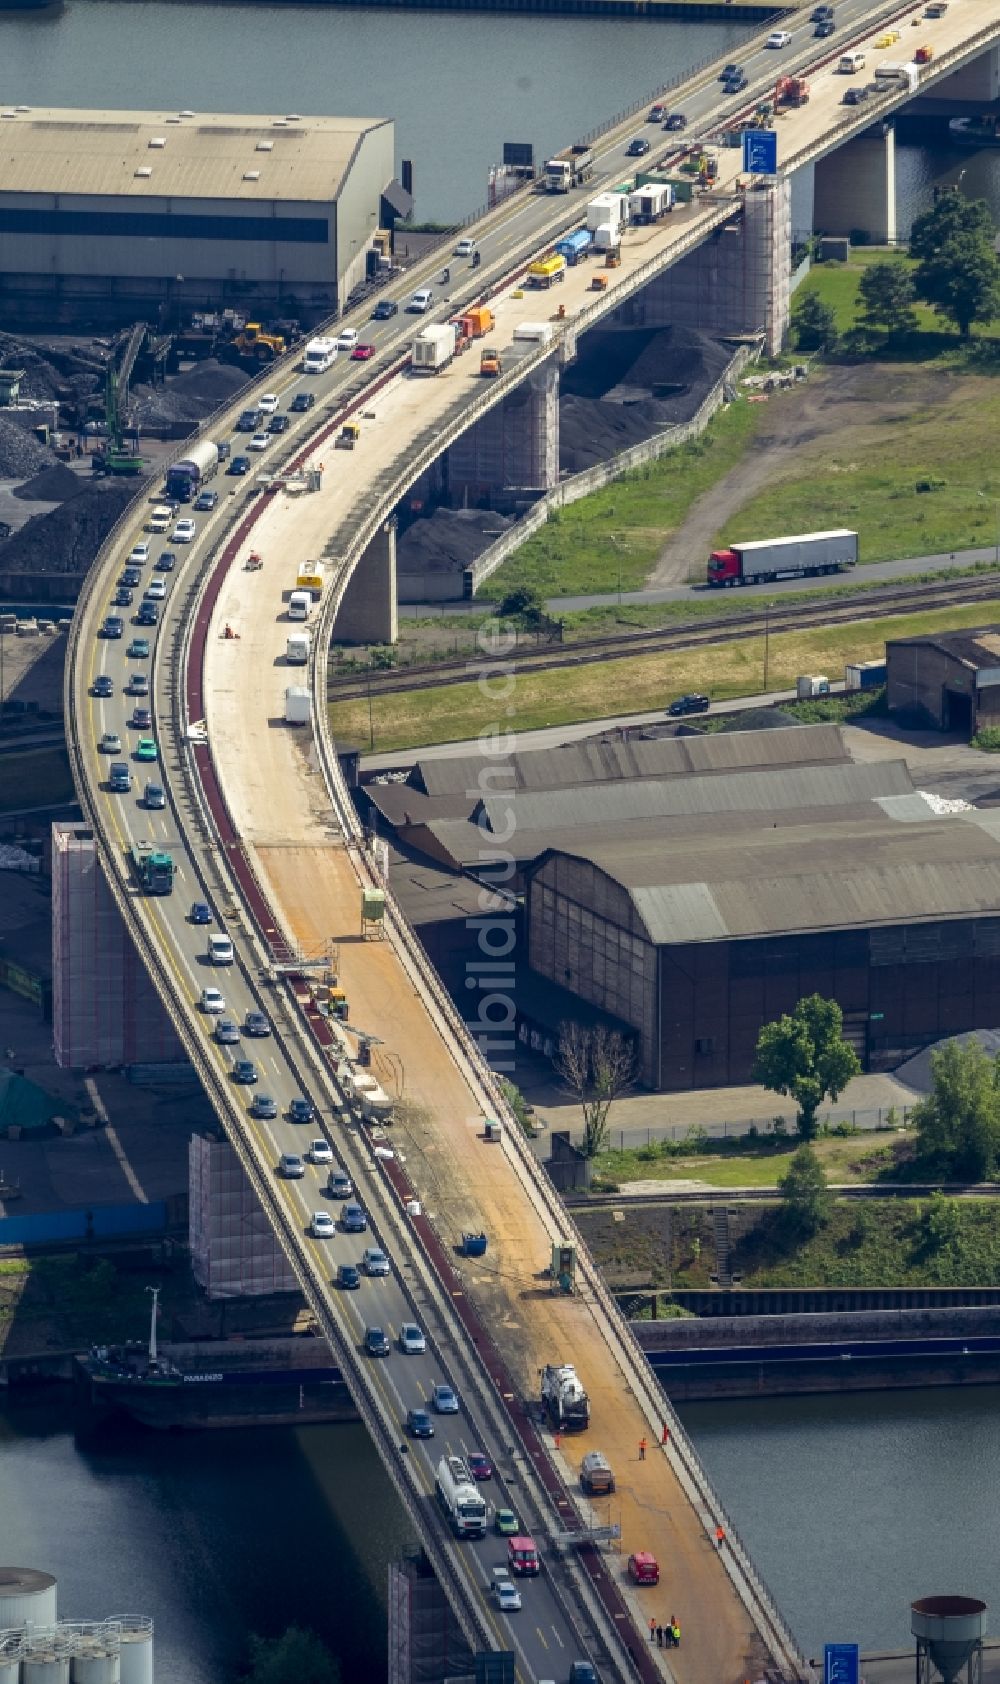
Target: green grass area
69	1302
753	1162
38	778
837	285
454	712
877	1243
614	535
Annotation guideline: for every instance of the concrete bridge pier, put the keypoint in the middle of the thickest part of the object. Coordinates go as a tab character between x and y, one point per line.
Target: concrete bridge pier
855	188
369	612
514	446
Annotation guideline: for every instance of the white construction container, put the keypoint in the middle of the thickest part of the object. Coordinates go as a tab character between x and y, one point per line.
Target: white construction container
811	684
534	333
608	208
649	203
297	649
433	348
298	705
607	237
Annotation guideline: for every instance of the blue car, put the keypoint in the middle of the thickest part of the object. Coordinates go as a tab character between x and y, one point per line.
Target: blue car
113	626
301	1111
353	1219
239	465
201	912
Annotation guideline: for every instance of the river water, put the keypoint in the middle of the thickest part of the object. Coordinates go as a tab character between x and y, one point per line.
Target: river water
851	1507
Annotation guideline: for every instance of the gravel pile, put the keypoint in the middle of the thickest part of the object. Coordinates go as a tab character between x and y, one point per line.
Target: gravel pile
53	485
448	540
21	453
66	540
54	371
192	395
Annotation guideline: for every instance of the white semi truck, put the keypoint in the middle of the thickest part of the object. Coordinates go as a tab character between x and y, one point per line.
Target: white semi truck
783	558
460	1498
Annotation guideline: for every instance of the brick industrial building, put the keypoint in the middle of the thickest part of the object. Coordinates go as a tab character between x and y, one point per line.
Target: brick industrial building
950	680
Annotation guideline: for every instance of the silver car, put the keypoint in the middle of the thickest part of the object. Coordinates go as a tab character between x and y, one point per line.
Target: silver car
411	1340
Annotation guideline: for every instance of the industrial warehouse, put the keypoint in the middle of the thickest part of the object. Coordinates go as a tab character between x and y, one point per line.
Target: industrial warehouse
690	889
950	680
107	216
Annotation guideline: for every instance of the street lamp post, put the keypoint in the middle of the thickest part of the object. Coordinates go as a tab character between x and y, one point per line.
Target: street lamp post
996	506
767	642
371	715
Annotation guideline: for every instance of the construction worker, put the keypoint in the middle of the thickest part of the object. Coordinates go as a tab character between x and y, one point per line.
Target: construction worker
659	1637
652	1630
675	1632
642	1450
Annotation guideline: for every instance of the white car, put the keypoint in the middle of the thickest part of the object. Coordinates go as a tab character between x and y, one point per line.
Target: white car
139	555
411	1341
322	1226
347	338
212	1001
320	1152
506	1595
778	38
374	1261
156	590
111	743
260	441
159	520
465	248
268	403
184	532
420	301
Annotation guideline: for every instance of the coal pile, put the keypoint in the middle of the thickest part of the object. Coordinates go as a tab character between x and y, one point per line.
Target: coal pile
626	386
66	540
191	395
56	484
448	541
55	372
21	453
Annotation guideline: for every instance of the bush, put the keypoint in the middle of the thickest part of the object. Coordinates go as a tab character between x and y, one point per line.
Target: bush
988	739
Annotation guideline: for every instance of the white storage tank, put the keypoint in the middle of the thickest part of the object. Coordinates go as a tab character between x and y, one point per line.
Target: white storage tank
26	1595
46	1658
96	1663
136	1656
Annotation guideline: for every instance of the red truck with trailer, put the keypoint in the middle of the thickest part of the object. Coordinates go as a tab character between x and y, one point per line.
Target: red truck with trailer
783	558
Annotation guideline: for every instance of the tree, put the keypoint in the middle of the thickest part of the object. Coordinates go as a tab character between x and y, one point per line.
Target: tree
814	324
959	272
958	1124
887	292
523	603
806	1198
297	1657
805	1055
597	1066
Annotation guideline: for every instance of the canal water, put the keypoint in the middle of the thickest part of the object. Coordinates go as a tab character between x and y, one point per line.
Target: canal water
851	1507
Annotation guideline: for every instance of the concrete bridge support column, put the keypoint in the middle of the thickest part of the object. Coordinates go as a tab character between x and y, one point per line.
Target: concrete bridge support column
978	82
515	446
855	188
736	282
368	612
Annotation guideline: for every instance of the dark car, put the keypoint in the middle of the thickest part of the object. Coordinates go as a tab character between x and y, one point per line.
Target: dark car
819	14
637	148
201	912
689	704
248	421
264	1107
148	615
300	1111
826	26
353	1219
103	685
154	797
114	626
384	309
581	1672
735	84
377	1342
123	597
142	719
479	1465
239	465
278	424
166	561
205	501
255	1023
856	96
728	71
676	121
131	576
244	1070
419	1423
348	1277
301	402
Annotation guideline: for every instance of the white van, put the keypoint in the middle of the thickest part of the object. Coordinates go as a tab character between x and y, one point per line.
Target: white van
300	605
220	950
851	63
421	301
895	75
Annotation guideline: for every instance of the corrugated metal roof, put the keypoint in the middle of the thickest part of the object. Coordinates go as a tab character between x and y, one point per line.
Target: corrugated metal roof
974	647
752	791
599	760
85	153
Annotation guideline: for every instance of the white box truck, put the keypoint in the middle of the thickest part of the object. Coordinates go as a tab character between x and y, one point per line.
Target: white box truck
608	208
892	76
433	348
607	237
320	354
534	333
798	557
649	203
297	649
298	705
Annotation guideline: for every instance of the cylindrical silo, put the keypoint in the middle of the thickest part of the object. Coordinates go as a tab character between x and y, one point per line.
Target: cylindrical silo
11	1650
136	1655
95	1648
26	1595
46	1658
949	1634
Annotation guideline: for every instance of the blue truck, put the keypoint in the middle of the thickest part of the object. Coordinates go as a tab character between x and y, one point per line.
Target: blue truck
574	246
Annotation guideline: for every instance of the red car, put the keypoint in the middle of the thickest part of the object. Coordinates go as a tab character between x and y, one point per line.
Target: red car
480	1466
361	353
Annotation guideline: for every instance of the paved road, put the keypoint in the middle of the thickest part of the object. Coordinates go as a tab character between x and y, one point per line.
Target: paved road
878	570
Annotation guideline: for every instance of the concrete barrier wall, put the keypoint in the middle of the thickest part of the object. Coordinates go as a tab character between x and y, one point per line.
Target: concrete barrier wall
702	1334
592	479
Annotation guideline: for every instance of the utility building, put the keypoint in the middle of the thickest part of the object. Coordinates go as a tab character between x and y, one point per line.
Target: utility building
108	215
950	680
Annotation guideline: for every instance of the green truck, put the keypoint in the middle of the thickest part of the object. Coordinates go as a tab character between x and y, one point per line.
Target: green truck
153	867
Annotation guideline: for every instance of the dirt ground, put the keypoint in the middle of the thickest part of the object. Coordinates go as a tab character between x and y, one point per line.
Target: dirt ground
830	402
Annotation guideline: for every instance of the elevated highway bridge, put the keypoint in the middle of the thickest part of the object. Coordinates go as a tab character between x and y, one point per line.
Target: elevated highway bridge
261	825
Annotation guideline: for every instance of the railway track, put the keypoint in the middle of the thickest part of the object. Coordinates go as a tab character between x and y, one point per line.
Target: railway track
861	605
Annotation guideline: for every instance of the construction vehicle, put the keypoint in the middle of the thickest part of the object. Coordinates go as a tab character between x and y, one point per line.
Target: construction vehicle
566	1403
599	283
115	457
708	167
332	995
791	91
569	168
252	341
348	436
153	867
489	363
